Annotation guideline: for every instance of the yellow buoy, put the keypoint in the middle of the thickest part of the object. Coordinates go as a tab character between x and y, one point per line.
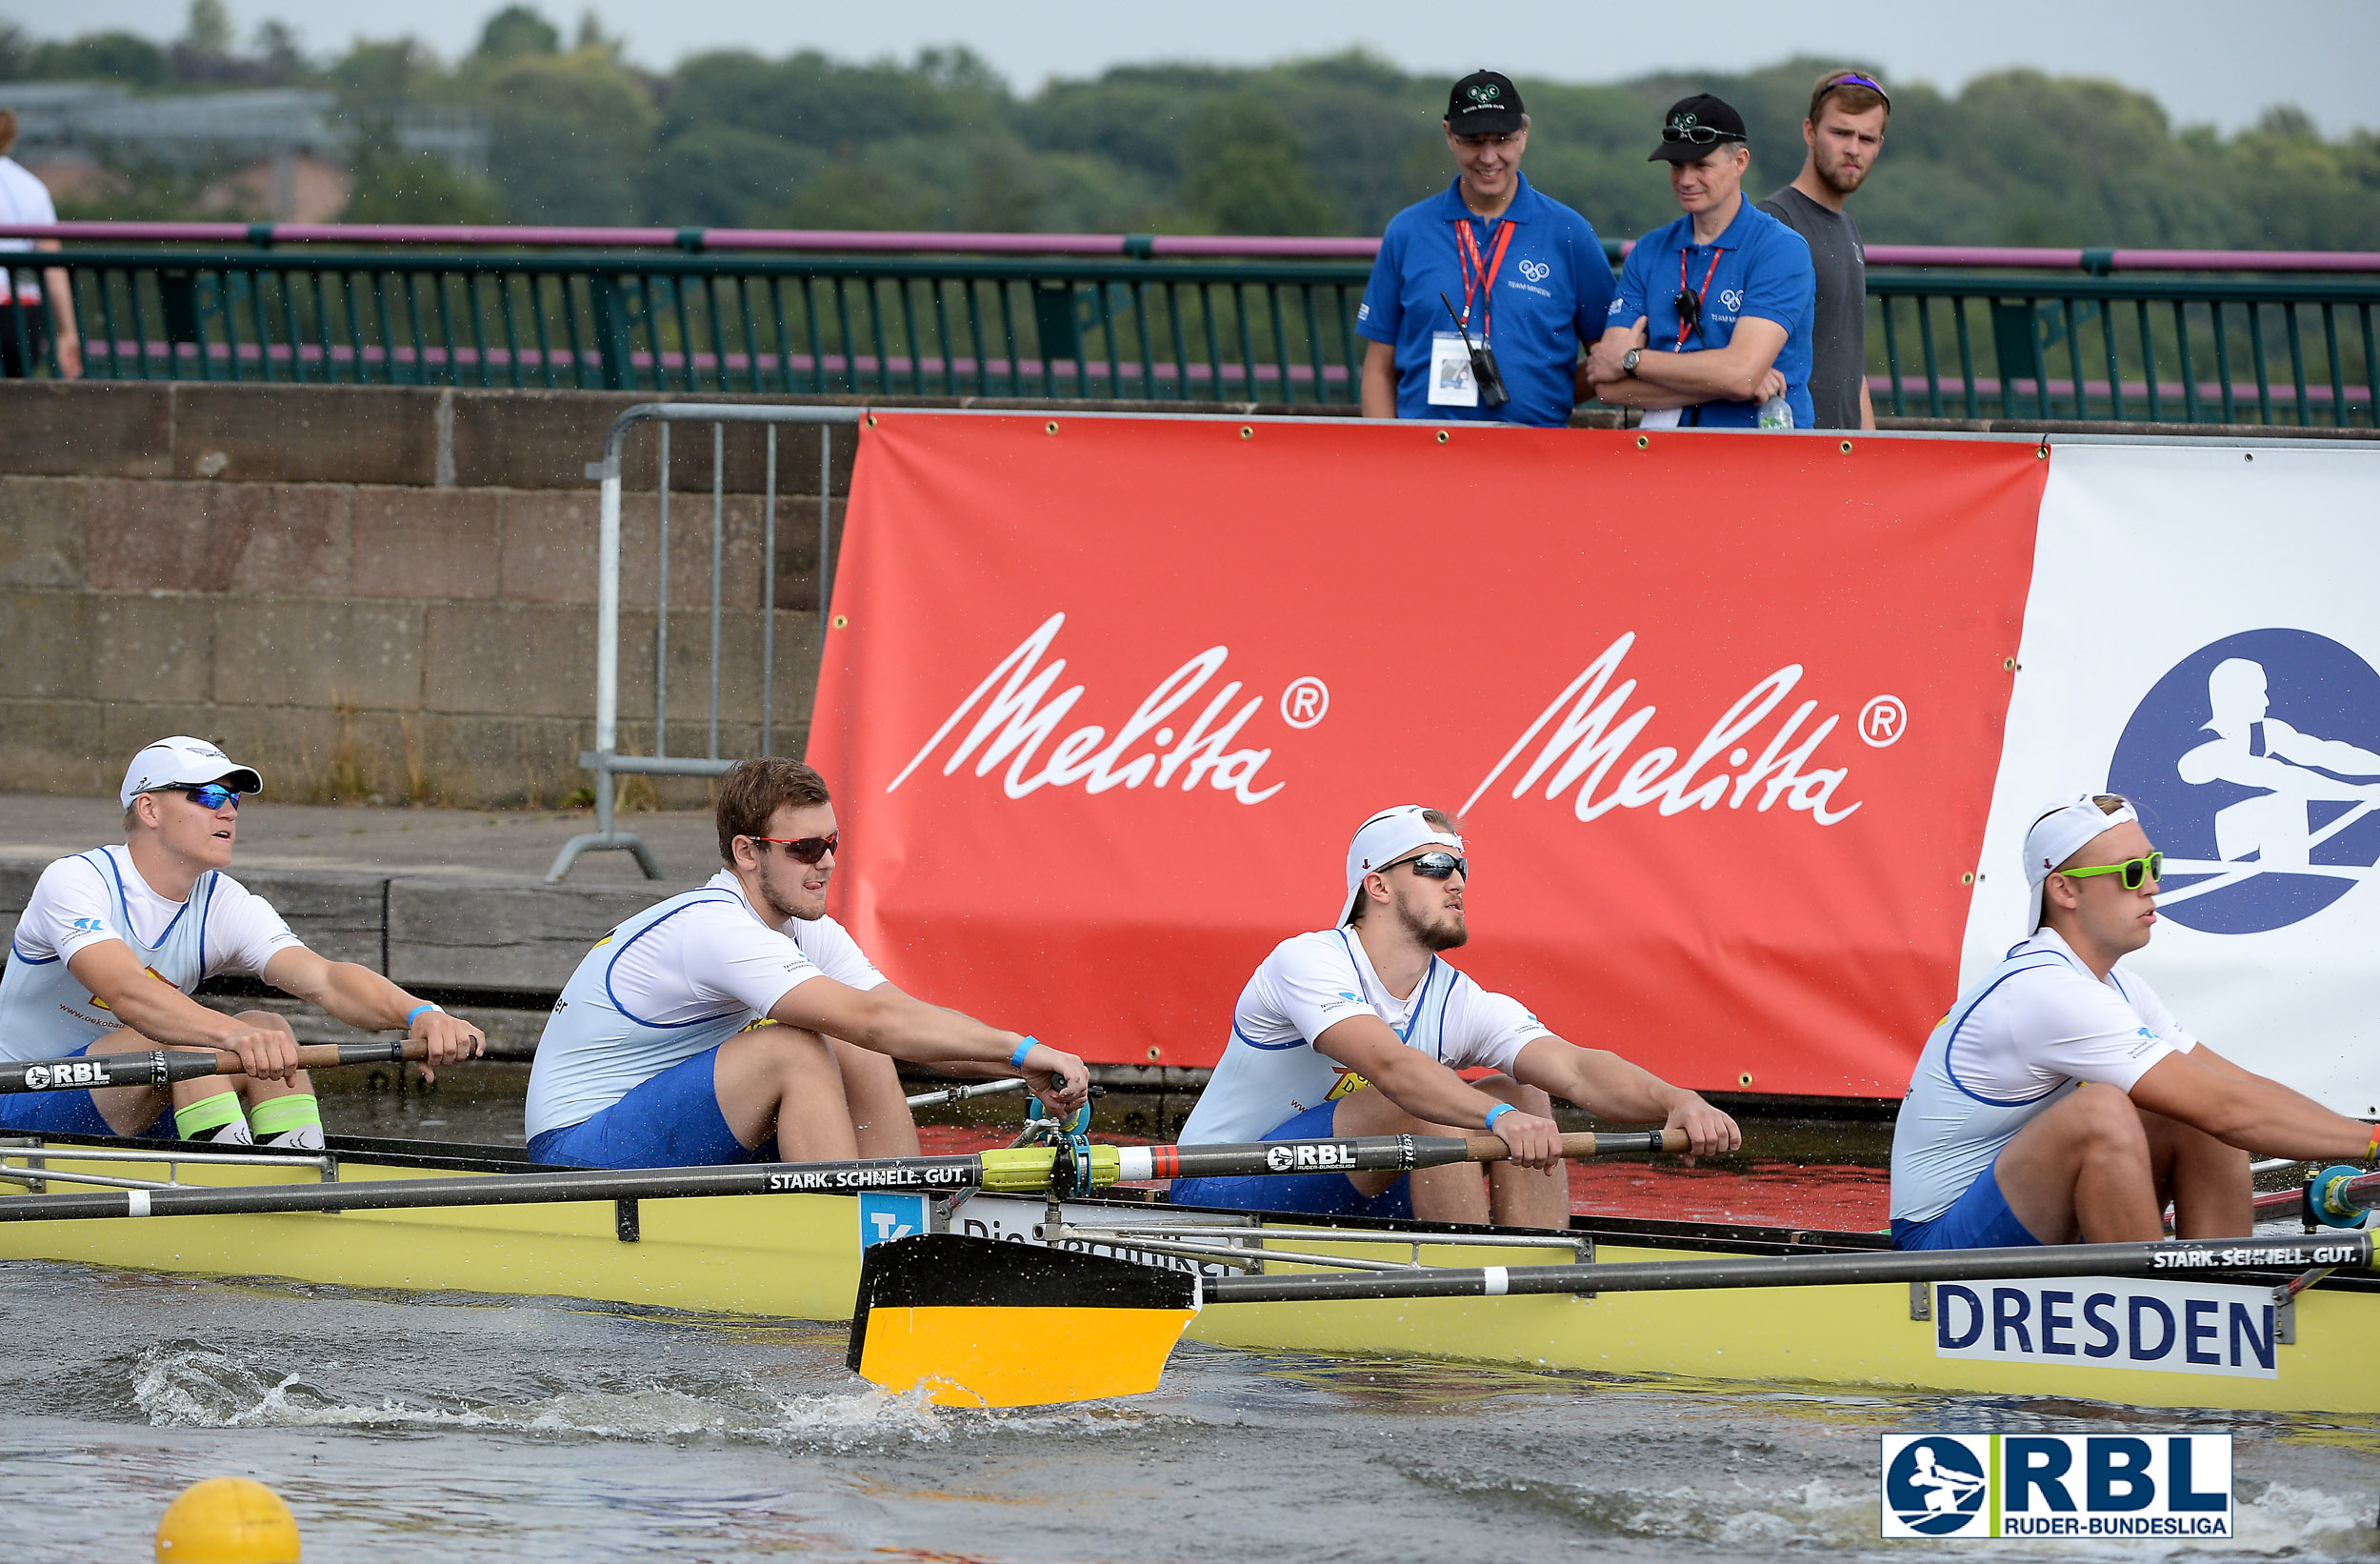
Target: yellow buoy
228	1520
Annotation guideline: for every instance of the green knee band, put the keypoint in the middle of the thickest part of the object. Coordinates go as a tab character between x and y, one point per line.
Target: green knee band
278	1116
207	1113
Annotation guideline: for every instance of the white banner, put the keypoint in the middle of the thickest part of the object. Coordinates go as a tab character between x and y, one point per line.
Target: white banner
2202	635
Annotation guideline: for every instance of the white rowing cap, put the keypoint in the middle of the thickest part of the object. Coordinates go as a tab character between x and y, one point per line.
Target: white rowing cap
2064	828
184	762
1388	837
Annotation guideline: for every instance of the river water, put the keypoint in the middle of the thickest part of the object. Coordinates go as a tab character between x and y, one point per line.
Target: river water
467	1429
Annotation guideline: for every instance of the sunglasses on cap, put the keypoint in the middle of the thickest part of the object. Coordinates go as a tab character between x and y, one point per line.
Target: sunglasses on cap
210	795
1439	866
802	850
2136	872
1697	135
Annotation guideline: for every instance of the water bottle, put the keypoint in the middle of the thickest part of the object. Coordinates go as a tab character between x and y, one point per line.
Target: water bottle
1776	413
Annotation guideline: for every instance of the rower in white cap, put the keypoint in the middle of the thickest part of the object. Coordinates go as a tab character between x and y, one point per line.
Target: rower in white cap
2060	1101
1358	1030
113	941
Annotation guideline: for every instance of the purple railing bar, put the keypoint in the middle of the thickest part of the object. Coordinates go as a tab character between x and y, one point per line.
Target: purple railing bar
1989	257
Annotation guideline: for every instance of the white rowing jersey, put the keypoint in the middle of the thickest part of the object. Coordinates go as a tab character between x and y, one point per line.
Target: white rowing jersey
80	901
2036	1027
1270	1070
681	976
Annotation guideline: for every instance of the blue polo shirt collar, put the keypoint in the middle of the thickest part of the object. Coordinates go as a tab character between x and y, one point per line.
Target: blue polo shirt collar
1524	203
1732	238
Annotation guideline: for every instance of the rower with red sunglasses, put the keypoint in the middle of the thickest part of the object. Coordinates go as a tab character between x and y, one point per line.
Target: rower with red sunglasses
1359	1031
2060	1101
737	1022
113	943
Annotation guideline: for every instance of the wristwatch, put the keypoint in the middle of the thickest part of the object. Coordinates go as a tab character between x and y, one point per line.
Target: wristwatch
1628	360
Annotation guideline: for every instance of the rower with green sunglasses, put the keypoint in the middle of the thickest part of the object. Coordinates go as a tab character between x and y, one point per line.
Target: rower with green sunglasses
2060	1101
112	942
1359	1031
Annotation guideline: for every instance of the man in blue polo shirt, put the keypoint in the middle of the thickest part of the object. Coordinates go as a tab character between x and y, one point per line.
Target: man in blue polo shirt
1525	277
1710	328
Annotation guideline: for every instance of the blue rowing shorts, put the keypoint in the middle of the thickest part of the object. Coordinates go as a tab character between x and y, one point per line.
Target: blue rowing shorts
1313	1195
1978	1219
69	1113
670	1121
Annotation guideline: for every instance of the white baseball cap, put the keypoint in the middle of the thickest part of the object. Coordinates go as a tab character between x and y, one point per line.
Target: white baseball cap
183	762
1388	837
2065	828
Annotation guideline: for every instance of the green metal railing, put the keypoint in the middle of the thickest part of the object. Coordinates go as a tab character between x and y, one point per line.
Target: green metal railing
1971	343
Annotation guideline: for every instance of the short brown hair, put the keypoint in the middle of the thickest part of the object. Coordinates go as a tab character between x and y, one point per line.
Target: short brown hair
1854	98
753	790
7	131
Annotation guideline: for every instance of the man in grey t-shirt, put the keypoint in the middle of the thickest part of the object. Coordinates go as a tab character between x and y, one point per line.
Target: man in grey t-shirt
1844	130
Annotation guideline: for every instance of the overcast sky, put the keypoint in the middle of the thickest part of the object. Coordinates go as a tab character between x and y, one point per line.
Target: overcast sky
2219	61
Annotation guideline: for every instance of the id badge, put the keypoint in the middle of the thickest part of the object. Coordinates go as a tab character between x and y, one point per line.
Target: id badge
1451	382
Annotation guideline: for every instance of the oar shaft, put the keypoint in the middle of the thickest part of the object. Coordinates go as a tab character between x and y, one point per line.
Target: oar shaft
1491	1147
164	1067
2167	1258
965	1093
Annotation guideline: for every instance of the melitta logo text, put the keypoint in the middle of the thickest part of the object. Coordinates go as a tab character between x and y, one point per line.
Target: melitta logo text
1328	1155
1587	743
62	1077
1019	720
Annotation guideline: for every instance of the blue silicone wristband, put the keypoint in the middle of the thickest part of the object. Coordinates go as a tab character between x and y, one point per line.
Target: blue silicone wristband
1496	1112
1016	1061
415	1013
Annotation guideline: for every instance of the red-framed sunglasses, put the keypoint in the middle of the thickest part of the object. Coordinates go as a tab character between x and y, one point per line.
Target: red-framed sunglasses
802	850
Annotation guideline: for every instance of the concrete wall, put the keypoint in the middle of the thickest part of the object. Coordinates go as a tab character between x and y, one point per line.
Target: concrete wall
376	592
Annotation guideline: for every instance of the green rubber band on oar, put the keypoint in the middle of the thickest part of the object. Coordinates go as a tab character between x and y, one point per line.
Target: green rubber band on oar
207	1115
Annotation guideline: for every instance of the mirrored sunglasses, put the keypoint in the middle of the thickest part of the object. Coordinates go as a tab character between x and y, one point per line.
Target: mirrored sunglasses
212	795
2136	872
802	850
1440	866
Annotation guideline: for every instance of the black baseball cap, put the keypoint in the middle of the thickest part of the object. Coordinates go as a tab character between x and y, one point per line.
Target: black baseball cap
1696	124
1485	104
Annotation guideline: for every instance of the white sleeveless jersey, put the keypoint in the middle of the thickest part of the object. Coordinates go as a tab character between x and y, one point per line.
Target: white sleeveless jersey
679	977
2034	1028
1270	1070
84	899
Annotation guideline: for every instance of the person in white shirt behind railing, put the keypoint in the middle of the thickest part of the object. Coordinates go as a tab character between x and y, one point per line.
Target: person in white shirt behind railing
24	203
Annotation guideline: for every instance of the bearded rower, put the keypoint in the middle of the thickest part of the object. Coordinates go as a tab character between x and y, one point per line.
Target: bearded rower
113	943
2061	1101
1359	1030
737	1021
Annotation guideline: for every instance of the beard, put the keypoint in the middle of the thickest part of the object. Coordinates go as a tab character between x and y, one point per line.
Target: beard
1448	932
1841	180
780	912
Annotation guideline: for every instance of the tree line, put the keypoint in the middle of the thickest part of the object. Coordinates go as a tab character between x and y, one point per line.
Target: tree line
731	138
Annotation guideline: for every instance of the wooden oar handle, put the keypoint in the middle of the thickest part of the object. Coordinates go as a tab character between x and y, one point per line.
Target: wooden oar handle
1492	1148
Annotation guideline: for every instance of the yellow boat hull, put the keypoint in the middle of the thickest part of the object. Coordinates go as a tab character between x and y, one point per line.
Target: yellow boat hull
797	1256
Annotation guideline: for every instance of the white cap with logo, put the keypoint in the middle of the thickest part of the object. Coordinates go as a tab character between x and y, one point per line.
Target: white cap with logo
183	762
2065	828
1389	836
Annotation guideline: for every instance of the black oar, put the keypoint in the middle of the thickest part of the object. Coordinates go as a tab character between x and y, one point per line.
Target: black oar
1020	1170
971	1319
164	1067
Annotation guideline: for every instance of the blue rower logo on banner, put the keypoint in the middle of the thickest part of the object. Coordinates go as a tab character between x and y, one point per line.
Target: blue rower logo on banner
1936	1486
2255	766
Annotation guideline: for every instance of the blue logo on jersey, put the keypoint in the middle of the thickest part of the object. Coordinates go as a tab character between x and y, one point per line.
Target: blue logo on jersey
2255	766
89	926
1935	1486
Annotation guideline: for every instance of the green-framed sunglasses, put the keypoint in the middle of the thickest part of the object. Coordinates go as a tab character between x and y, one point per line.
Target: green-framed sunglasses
2136	872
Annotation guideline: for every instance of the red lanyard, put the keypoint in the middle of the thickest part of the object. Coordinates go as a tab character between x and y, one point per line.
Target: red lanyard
1682	327
1480	276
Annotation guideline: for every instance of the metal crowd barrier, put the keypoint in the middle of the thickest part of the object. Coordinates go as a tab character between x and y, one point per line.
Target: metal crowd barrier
2170	337
605	760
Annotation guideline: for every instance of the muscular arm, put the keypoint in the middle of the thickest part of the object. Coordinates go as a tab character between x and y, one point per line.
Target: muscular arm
1738	372
162	1013
2329	754
1611	1088
2240	1108
1380	380
884	1020
1600	375
1406	1076
362	997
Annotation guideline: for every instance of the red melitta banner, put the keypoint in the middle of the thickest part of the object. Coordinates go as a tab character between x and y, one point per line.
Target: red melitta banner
1104	700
